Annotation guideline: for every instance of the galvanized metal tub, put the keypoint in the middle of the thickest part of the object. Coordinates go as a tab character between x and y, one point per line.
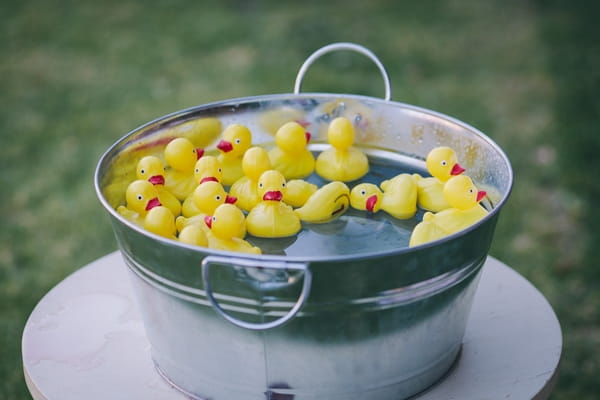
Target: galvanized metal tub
334	312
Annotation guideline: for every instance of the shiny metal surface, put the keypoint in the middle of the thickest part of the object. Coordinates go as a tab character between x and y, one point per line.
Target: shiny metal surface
382	321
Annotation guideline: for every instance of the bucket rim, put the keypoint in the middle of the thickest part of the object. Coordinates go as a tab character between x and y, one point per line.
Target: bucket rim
235	103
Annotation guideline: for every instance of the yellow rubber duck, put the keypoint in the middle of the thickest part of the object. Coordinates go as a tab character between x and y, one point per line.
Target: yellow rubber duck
397	197
161	221
291	156
207	168
464	211
193	234
224	225
206	198
442	164
272	217
341	162
141	196
298	191
201	132
254	162
181	155
152	169
327	203
236	139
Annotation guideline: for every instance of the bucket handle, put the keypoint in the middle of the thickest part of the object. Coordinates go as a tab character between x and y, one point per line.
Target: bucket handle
209	260
344	46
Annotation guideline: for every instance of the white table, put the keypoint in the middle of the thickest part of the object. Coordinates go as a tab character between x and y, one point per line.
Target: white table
85	340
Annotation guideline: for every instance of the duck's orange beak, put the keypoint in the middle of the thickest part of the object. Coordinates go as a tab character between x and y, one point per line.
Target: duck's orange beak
208	221
153	203
225	146
308	136
457	170
371	201
230	199
208	179
480	195
273	195
157	180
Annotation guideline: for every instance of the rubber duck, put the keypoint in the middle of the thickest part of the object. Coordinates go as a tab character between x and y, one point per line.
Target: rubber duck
327	203
298	191
397	197
342	161
254	162
141	196
224	224
206	169
152	169
206	198
161	221
291	156
464	211
181	155
271	217
201	132
193	234
441	163
236	139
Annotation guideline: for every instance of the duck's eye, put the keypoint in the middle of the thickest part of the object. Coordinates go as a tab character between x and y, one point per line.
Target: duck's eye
140	197
142	171
283	185
238	141
214	218
260	185
363	192
218	198
197	170
194	151
444	163
220	170
471	190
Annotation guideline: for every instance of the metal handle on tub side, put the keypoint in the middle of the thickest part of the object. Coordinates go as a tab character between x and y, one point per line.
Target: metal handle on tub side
306	286
344	46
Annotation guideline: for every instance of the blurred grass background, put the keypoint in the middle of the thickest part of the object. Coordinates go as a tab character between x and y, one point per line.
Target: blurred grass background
77	75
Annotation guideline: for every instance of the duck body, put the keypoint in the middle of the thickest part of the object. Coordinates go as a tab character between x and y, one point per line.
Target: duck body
397	197
326	203
298	191
161	221
342	161
193	234
291	156
464	211
236	139
271	217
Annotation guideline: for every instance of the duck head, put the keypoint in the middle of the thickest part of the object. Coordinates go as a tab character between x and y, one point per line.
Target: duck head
152	169
292	137
226	222
340	133
271	185
366	196
181	154
236	139
209	195
442	163
255	162
141	196
208	168
461	193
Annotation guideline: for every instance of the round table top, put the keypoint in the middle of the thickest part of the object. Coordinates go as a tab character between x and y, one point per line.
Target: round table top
85	339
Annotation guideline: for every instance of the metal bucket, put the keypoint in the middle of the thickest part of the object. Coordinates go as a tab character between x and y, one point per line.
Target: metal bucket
320	318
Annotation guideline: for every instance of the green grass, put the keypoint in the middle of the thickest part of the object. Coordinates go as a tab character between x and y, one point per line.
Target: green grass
77	75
